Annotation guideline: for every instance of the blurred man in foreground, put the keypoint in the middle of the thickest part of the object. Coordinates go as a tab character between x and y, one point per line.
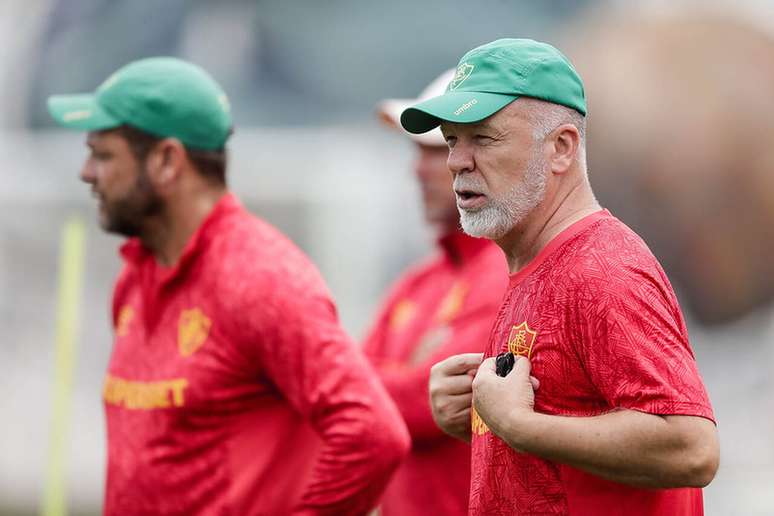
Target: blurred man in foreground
441	307
604	410
228	353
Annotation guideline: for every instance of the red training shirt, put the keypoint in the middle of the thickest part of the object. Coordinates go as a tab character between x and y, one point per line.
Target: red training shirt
597	316
440	308
232	389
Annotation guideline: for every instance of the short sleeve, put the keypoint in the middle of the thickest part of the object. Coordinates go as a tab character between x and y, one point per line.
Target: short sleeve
635	347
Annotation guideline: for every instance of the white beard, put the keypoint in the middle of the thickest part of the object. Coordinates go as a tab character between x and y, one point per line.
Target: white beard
500	215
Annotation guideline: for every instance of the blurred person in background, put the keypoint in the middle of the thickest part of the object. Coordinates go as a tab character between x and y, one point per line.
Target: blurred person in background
231	388
604	410
690	165
441	307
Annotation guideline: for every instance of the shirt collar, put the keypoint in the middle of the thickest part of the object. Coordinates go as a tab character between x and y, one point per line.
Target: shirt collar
135	253
558	241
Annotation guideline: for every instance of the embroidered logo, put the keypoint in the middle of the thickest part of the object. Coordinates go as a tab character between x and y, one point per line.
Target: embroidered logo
464	107
521	340
463	72
402	314
452	303
125	316
192	331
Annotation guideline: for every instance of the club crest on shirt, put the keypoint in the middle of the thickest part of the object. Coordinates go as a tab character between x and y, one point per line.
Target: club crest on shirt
452	302
402	314
192	331
521	340
125	316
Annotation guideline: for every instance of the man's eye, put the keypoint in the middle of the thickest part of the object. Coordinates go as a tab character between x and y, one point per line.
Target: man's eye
482	138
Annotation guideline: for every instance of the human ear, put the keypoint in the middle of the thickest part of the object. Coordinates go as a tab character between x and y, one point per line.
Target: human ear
165	161
564	147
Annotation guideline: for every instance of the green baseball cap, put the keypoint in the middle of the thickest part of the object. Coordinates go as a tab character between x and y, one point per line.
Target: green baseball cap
163	96
491	76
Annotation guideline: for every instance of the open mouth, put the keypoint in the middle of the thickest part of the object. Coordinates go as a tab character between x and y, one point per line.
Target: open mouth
466	194
468	199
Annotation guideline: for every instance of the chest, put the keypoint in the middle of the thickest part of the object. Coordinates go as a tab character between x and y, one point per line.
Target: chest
539	324
176	354
423	314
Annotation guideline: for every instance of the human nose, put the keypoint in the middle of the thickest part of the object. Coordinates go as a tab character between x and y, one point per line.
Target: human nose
460	159
88	172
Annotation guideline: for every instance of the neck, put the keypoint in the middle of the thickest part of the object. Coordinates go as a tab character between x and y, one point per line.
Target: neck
167	234
530	236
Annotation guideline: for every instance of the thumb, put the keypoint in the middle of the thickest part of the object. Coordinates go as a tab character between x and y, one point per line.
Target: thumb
522	367
486	368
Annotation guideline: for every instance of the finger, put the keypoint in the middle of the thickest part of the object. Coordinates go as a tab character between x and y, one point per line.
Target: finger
490	364
459	384
460	403
451	407
522	367
535	382
488	368
459	364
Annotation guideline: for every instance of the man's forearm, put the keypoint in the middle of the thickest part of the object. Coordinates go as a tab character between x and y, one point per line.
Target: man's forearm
625	446
361	448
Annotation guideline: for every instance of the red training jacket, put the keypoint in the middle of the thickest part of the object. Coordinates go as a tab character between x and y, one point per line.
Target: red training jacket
232	388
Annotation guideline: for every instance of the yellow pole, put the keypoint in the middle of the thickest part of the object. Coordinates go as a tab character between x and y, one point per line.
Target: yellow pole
71	257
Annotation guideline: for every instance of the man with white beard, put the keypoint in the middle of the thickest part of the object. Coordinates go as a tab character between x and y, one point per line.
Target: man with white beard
604	410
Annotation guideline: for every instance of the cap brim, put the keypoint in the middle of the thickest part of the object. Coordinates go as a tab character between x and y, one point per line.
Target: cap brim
462	107
390	111
80	112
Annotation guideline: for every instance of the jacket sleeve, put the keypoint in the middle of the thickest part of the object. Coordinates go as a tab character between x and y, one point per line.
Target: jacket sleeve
320	371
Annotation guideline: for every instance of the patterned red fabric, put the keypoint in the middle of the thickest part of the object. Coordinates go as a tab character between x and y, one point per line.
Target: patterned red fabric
232	388
602	326
443	307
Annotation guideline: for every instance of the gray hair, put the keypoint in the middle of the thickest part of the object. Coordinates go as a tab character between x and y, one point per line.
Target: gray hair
547	116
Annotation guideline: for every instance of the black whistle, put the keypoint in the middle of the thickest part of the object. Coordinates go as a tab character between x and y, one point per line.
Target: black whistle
504	363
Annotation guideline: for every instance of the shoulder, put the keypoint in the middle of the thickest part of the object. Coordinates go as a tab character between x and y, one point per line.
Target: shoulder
609	263
424	269
249	257
608	249
410	281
